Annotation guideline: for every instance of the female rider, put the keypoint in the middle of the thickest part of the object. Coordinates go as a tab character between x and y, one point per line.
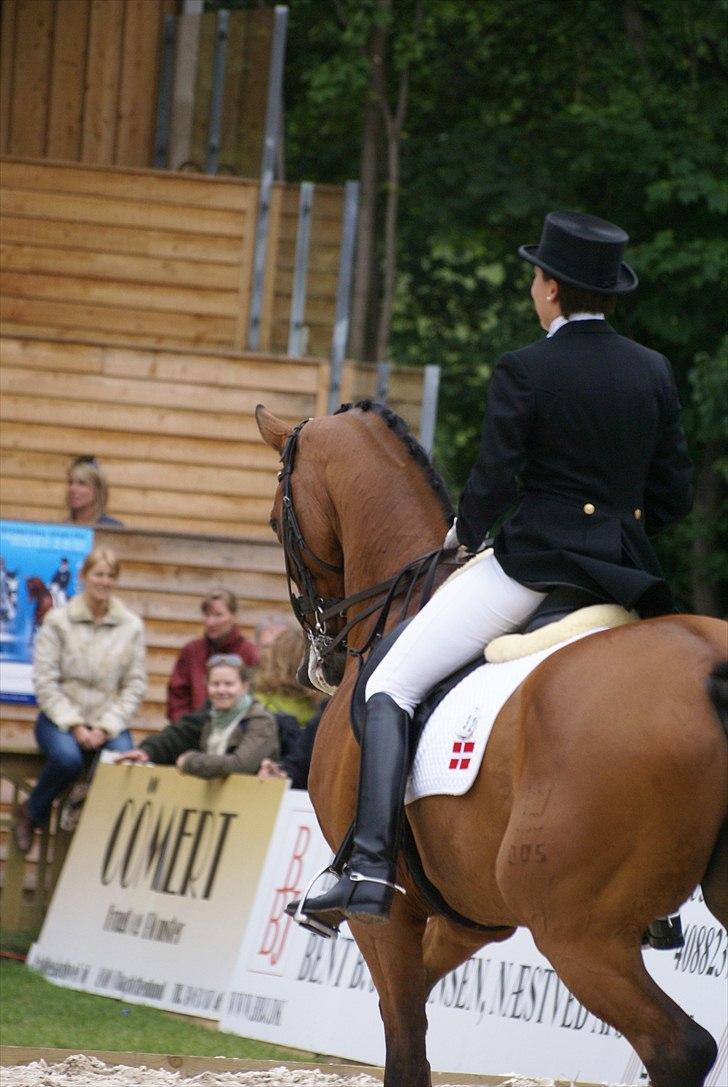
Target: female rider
582	455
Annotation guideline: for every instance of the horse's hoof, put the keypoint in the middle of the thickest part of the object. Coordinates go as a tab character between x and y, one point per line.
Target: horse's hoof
664	934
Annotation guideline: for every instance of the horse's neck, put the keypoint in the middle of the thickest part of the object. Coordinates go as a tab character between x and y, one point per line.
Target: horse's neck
392	520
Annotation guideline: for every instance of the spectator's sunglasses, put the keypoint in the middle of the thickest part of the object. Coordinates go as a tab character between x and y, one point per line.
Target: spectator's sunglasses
232	659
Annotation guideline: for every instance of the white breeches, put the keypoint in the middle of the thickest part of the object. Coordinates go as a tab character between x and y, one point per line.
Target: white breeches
475	607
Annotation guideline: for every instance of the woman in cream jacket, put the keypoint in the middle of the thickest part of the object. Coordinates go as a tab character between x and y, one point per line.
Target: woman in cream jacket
89	677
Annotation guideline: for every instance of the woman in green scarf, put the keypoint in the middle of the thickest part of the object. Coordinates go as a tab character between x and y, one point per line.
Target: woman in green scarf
230	735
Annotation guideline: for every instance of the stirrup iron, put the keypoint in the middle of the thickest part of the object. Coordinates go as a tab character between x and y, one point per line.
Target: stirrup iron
312	924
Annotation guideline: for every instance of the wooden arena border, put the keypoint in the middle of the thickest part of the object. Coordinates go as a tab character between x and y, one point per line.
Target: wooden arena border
11	1056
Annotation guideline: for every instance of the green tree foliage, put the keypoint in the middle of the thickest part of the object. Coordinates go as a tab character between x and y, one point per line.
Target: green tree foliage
616	107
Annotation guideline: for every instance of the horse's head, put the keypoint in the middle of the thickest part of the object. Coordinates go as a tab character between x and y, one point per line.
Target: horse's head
304	520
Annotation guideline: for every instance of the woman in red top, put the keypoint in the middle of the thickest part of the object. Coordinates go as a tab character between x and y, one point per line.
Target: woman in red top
187	687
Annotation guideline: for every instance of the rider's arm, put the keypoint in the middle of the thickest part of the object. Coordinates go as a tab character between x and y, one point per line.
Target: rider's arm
492	486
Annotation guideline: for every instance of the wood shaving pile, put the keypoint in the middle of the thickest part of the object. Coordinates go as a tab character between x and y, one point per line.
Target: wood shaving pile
83	1071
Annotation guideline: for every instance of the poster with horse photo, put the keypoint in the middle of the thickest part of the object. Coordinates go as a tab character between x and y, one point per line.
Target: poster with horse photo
39	570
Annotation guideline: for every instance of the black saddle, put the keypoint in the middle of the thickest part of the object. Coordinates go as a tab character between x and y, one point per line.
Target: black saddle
558	603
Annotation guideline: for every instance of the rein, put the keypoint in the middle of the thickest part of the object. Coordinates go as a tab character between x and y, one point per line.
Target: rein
314	611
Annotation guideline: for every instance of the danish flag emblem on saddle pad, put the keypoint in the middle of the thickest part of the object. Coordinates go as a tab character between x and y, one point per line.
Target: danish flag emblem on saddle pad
454	739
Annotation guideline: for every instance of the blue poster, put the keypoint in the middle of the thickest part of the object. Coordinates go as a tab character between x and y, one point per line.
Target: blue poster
39	570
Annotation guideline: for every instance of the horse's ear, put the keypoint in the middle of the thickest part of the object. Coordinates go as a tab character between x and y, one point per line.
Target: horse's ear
274	431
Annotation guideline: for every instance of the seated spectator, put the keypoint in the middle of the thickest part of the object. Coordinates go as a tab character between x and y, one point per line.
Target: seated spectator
187	687
295	761
89	678
87	493
276	681
232	734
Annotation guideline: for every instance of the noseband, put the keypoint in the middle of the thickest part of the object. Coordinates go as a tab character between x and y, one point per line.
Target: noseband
313	611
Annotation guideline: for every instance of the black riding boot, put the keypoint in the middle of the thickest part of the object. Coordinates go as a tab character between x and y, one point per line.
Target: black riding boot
366	888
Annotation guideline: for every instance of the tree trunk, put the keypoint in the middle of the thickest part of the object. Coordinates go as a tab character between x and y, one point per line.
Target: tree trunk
393	123
366	244
389	258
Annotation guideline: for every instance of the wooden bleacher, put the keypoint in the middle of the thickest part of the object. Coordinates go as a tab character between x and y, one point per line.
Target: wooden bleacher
157	257
174	430
124	307
163	577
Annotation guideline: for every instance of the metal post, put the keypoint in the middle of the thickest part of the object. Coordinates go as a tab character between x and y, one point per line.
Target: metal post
164	101
300	271
428	411
272	125
382	392
214	124
343	292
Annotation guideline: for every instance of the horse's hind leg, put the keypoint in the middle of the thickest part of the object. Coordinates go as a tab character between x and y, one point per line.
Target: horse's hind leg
610	979
393	953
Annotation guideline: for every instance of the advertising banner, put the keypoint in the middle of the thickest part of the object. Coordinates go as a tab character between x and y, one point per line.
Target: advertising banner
39	569
503	1011
158	886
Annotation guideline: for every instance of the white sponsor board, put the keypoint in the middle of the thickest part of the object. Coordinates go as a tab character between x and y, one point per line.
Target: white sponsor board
157	887
503	1011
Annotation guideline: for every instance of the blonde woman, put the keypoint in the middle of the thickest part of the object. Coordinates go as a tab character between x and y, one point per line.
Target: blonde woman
89	677
276	681
87	493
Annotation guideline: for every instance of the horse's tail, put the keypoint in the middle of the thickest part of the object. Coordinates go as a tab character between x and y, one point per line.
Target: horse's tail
718	692
715	880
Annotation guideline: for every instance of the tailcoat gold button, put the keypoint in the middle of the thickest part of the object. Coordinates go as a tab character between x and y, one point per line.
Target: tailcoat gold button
637	514
589	508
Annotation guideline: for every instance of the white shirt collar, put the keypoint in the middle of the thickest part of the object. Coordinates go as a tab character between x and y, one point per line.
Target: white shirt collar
560	321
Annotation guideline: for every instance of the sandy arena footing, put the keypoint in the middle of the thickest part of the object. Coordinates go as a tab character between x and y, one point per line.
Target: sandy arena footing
26	1067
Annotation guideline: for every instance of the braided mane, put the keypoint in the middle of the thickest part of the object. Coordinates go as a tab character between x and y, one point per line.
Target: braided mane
398	426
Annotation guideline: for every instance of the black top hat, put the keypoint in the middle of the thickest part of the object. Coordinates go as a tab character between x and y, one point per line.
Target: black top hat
584	251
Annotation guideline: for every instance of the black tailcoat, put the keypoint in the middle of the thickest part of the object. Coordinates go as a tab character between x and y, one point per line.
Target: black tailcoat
583	446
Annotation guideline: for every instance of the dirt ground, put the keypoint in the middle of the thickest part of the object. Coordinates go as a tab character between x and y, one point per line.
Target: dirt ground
87	1071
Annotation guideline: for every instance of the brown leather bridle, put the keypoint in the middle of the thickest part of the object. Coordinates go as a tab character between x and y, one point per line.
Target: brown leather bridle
315	612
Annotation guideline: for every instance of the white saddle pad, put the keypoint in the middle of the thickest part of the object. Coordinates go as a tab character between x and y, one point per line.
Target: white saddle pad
453	741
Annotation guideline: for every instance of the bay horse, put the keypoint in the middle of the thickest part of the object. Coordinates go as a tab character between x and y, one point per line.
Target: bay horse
602	800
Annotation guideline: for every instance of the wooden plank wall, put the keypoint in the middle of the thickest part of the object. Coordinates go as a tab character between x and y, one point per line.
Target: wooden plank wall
325	243
141	255
155	257
174	430
79	79
245	92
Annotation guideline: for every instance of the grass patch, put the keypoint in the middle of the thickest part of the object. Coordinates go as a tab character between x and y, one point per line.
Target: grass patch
34	1012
